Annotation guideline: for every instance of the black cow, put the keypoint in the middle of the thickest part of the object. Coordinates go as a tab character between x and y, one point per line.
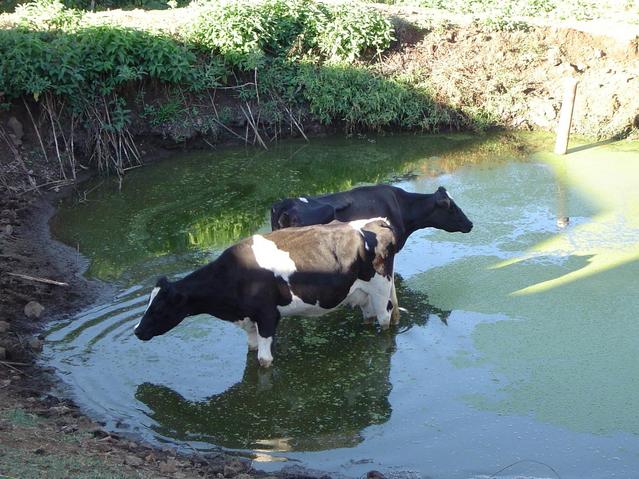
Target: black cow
407	213
304	271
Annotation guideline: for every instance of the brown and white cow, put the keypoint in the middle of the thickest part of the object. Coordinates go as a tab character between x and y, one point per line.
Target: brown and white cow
305	271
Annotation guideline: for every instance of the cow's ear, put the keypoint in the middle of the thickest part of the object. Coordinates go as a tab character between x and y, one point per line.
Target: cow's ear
163	283
443	203
323	214
442	198
341	204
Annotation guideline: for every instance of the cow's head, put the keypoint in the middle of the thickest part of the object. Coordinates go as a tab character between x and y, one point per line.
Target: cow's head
447	215
300	212
166	309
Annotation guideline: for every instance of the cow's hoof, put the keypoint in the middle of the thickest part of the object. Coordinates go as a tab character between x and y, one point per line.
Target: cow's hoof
265	363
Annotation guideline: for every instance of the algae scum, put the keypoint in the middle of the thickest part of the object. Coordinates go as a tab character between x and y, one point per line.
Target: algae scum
520	344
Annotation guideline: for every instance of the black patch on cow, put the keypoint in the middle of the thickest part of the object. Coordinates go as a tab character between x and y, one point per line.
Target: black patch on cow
389	305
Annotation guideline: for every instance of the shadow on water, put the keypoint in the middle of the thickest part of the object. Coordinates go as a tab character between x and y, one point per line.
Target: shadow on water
330	381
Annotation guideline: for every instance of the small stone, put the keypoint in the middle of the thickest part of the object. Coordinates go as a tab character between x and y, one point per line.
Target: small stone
33	309
4	383
168	467
39	451
243	475
3	353
36	344
233	468
179	475
578	67
4	326
150	458
16	126
14	139
554	56
132	460
599	53
375	475
8	230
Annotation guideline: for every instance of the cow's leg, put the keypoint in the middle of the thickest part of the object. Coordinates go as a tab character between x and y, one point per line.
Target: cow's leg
251	332
367	310
382	303
265	327
395	313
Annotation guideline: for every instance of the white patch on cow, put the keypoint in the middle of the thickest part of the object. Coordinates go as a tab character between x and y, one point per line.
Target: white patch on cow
268	256
300	308
251	332
359	224
154	293
372	296
264	355
302	199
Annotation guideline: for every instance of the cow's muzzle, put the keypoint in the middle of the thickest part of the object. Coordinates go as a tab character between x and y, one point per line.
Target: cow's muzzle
141	335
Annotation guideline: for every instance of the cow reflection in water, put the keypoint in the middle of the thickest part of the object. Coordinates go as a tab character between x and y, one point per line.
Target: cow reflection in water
330	382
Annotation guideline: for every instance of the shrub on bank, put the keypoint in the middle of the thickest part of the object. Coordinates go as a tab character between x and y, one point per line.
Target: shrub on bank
246	33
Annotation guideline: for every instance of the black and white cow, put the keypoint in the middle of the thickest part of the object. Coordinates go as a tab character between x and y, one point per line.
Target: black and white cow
304	271
407	213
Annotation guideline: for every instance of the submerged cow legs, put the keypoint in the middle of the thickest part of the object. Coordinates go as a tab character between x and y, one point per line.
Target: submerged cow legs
264	355
395	313
251	332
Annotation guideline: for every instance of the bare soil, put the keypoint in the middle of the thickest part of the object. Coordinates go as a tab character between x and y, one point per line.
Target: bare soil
516	76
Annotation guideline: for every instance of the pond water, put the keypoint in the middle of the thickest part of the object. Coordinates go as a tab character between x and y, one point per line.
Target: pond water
519	347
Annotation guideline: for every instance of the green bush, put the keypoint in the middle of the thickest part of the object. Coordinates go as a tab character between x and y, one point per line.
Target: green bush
89	61
47	15
352	29
365	101
245	32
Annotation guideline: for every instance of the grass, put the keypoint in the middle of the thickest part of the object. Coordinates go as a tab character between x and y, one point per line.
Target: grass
31	449
18	463
20	417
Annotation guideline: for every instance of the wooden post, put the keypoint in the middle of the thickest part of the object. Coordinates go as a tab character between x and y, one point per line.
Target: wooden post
565	116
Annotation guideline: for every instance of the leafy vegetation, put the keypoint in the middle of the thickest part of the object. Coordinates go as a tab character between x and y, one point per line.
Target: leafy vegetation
11	5
245	32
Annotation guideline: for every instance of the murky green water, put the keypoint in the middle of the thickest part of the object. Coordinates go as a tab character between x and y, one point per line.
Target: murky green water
520	344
